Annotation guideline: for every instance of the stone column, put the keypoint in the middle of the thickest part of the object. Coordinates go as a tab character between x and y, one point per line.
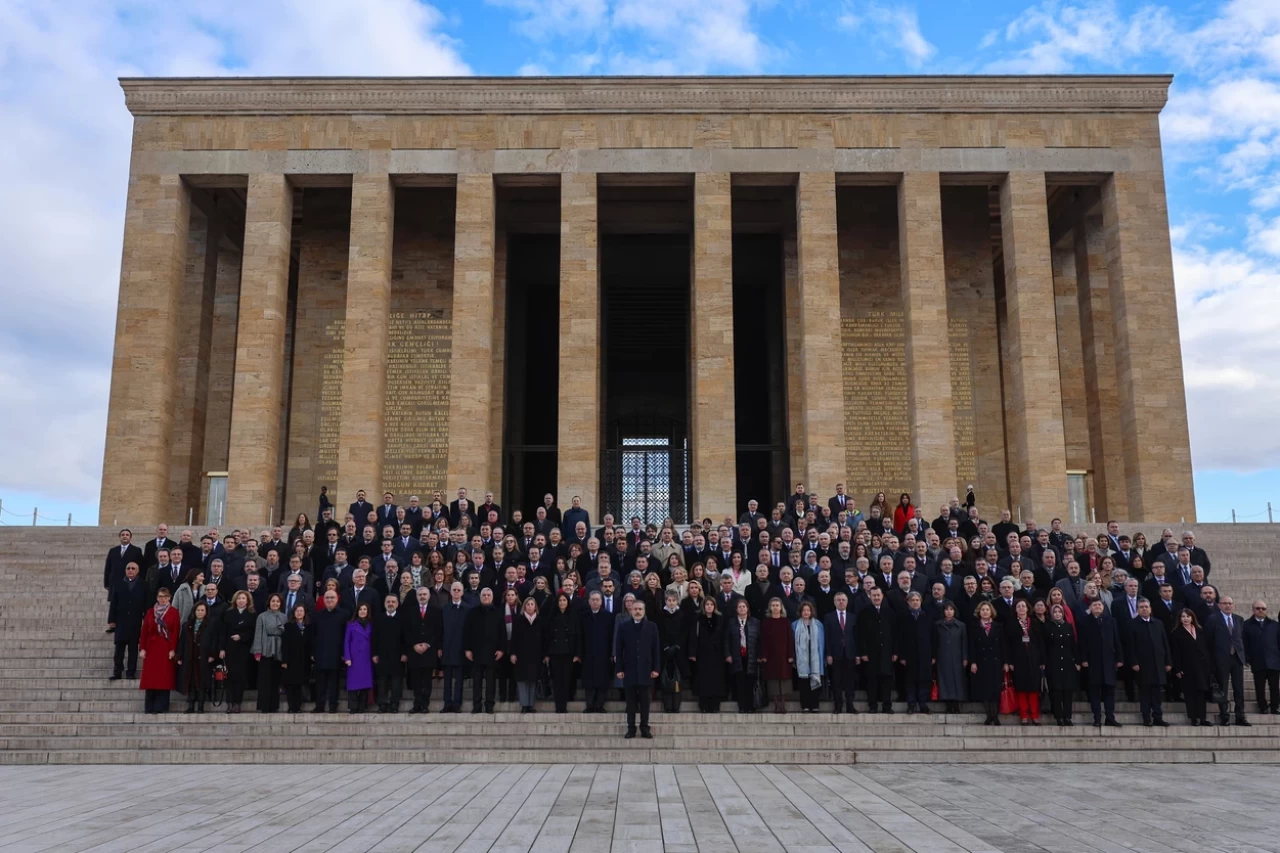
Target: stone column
1034	397
819	292
135	465
924	305
471	379
1098	359
253	461
364	357
578	439
714	463
1153	403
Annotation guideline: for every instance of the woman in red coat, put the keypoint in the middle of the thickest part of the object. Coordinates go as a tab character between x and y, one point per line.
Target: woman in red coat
777	653
902	513
157	647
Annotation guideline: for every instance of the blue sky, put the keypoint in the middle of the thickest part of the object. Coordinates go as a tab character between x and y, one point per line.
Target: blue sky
65	150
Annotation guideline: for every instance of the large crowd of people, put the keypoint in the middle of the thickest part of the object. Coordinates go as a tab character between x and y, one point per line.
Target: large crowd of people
809	599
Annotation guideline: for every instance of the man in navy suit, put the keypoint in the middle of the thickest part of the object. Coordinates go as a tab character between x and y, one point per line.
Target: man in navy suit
841	651
638	657
1226	643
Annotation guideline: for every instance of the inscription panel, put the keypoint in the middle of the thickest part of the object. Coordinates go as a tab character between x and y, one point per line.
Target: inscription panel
962	399
330	403
877	413
416	414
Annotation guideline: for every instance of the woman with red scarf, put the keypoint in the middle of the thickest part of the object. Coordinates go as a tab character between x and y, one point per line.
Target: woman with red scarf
1024	653
157	647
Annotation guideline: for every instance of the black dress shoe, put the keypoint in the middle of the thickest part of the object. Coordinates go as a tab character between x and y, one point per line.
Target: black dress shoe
629	735
115	677
1207	723
646	734
1161	723
1111	723
1243	722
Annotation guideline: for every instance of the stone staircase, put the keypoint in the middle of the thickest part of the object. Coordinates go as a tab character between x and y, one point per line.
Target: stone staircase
57	706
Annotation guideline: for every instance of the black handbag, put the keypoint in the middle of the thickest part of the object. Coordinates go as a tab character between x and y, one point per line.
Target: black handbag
1219	695
759	695
542	688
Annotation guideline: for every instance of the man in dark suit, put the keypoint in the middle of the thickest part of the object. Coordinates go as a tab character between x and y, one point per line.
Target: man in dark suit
875	627
1226	643
486	636
727	598
162	542
1101	656
422	647
389	655
1197	555
359	510
361	593
169	574
841	651
1124	610
1262	653
114	567
387	512
638	657
128	601
1148	656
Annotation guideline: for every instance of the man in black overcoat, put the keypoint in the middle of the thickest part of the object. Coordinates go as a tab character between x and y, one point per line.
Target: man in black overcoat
597	647
914	639
329	632
1262	652
389	655
875	647
1148	656
128	606
422	642
117	558
1101	654
485	646
639	656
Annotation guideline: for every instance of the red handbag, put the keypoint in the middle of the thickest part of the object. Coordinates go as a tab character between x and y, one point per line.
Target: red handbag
1008	701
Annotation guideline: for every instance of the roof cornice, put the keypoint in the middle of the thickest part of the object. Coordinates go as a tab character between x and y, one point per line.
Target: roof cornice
641	95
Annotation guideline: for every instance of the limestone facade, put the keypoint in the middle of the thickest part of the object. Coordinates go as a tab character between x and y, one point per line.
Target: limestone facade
951	317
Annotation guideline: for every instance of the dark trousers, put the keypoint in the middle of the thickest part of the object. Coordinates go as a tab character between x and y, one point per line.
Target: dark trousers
484	684
235	692
918	692
357	700
453	686
562	682
809	696
326	689
742	683
1101	696
506	680
1060	701
596	697
1127	677
293	695
843	683
879	688
709	704
390	689
420	680
1150	697
1197	702
156	702
268	686
637	701
132	648
1262	678
1233	673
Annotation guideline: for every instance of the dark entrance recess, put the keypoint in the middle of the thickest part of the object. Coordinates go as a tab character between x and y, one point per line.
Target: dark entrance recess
761	217
645	302
532	364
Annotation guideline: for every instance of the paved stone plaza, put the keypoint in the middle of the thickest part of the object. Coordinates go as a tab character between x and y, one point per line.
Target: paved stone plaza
638	809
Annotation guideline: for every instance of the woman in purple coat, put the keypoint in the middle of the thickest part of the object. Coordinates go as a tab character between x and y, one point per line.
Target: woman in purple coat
358	654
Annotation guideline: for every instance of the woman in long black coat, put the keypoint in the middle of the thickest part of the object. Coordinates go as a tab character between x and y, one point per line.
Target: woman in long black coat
986	662
528	648
295	656
1024	653
743	659
196	649
235	637
1062	663
673	633
706	656
563	647
1192	664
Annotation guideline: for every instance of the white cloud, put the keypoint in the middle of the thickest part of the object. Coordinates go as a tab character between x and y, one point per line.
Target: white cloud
646	37
901	26
65	147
